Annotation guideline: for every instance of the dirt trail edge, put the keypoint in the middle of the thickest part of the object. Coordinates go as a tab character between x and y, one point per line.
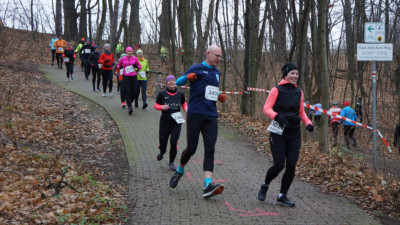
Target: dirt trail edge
238	166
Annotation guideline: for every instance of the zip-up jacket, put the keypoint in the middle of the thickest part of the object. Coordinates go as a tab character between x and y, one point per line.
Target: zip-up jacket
129	61
60	44
86	50
348	112
52	41
106	57
145	67
335	111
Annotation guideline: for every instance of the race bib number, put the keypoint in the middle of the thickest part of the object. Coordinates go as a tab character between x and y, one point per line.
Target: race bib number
178	117
129	69
212	93
87	51
100	65
121	73
66	59
274	127
142	74
60	49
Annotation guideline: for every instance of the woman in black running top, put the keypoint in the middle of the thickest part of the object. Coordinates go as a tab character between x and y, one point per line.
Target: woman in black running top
169	101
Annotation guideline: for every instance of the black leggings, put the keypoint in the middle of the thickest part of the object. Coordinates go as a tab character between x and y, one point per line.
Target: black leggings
335	129
129	85
167	129
283	150
70	68
107	79
122	91
208	126
96	75
53	55
59	59
86	65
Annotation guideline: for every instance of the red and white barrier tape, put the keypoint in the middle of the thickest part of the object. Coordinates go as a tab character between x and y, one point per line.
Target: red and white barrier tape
222	92
329	113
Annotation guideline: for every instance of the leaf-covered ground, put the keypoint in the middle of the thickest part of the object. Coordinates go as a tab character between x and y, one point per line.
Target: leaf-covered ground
62	159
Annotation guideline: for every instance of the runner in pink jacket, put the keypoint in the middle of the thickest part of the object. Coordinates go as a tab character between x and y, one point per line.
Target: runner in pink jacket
129	65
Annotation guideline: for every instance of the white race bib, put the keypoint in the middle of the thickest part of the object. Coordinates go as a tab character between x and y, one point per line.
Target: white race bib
60	49
129	69
66	59
121	73
178	117
87	51
100	65
142	74
274	127
212	93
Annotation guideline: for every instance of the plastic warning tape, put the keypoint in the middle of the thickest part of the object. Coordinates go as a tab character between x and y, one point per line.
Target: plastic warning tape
330	113
222	92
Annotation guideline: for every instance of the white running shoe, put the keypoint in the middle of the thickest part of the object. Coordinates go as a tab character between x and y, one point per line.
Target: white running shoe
68	80
110	95
104	95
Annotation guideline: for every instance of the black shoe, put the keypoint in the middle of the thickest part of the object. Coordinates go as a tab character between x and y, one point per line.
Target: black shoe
283	200
52	64
354	143
136	105
262	192
175	179
213	189
160	157
130	111
144	106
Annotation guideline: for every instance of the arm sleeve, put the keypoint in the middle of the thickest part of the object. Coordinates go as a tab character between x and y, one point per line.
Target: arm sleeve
158	106
138	64
302	113
270	102
181	80
74	55
185	106
54	45
101	61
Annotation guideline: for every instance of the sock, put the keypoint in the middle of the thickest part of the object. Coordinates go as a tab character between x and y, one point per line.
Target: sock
180	169
263	183
207	181
280	195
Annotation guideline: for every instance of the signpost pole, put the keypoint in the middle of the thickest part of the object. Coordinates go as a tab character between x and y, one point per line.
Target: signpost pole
374	113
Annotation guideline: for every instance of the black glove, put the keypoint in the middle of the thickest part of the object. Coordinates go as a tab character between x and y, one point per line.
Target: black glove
310	127
134	65
281	120
107	61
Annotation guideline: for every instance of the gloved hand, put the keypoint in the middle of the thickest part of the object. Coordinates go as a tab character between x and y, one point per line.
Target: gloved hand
222	98
136	66
191	77
281	120
107	61
310	128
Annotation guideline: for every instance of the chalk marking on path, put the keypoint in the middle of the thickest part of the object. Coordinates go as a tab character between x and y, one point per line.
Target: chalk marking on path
189	177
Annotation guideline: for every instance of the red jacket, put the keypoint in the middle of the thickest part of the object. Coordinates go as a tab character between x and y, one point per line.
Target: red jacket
103	58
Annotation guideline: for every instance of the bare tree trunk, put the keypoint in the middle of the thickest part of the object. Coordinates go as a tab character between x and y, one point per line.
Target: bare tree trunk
279	24
164	23
123	25
114	25
351	71
185	21
134	23
222	48
70	20
235	27
323	61
83	19
244	104
58	17
100	29
171	38
202	38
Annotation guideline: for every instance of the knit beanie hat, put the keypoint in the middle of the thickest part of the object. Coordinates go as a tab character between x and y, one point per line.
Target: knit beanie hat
287	68
107	45
129	49
346	103
169	77
139	51
95	47
123	54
